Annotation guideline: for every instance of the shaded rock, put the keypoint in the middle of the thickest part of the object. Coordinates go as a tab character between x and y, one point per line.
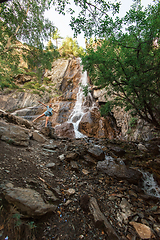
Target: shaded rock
141	147
38	137
50	196
74	165
65	130
15	119
84	202
97	153
118	151
14	134
71	156
120	171
143	231
28	201
89	160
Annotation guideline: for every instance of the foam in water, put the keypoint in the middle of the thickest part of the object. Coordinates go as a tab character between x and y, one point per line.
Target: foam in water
149	185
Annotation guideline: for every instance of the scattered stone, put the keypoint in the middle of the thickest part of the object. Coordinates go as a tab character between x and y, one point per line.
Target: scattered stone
71	156
97	153
84	202
51	165
85	172
143	231
70	191
74	165
89	160
50	146
51	196
141	147
67	203
62	157
38	137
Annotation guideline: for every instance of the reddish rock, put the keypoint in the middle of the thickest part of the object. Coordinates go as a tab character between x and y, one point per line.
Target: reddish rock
65	130
92	124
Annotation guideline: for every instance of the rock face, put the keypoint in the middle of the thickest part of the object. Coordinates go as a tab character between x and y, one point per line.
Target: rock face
140	131
14	134
28	201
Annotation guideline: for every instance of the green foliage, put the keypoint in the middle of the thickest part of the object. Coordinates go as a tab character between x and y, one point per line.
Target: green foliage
133	122
24	21
106	109
127	63
70	48
85	89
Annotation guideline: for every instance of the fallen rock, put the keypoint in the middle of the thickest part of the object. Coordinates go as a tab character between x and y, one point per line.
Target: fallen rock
97	153
120	171
51	165
141	147
65	130
28	201
71	156
14	134
143	231
38	137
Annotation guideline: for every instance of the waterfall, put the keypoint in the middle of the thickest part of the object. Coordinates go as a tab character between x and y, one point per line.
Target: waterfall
80	109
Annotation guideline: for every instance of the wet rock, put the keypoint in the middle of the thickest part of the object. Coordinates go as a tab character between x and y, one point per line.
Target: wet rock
120	171
38	137
28	201
143	231
14	134
97	153
65	130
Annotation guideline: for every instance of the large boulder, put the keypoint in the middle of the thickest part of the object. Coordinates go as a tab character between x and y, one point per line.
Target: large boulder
14	134
65	130
28	201
92	124
120	172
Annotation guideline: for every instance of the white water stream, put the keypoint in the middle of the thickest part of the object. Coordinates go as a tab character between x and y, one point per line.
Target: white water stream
80	109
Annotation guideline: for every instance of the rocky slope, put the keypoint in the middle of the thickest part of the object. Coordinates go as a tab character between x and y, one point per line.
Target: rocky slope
89	188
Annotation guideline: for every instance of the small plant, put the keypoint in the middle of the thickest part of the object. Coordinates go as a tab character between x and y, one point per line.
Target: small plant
85	89
36	92
133	122
17	216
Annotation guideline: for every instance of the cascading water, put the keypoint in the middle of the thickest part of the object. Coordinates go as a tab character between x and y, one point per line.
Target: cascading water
79	108
149	185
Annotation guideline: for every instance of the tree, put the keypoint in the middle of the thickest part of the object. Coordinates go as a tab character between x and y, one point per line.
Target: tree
56	36
70	48
127	63
23	21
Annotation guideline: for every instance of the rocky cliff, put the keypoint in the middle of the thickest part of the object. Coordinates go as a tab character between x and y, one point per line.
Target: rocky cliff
64	81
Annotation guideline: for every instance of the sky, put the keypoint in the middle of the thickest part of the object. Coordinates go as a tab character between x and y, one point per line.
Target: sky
62	21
